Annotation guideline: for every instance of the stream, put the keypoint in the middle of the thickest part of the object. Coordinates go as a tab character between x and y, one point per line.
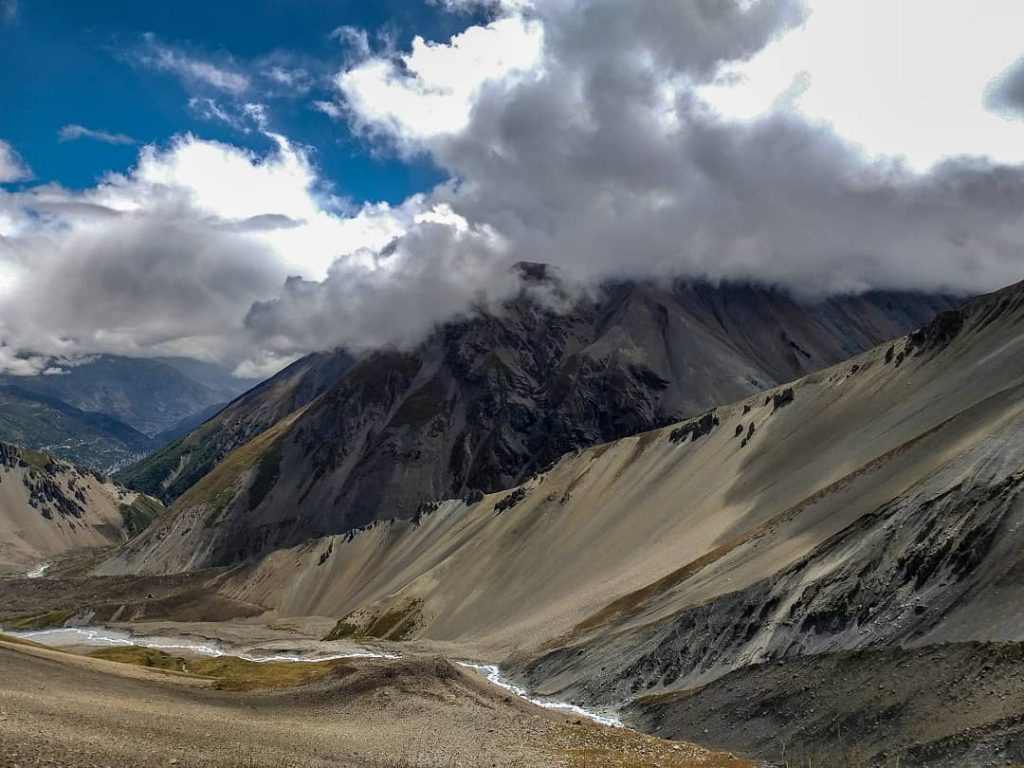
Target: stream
103	637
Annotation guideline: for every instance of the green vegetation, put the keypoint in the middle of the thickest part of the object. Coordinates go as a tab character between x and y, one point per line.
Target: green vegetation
398	624
187	460
140	513
343	630
229	673
36	459
38	621
216	490
87	439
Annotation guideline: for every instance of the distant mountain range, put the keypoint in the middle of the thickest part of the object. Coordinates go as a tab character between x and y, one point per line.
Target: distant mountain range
332	444
108	411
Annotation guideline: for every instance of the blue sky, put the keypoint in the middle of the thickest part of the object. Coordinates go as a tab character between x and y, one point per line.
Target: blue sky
74	63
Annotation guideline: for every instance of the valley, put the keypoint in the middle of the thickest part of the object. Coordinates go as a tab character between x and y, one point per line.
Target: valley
728	581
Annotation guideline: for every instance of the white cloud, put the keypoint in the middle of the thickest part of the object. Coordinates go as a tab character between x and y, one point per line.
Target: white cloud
433	88
356	40
73	131
192	69
329	108
899	79
585	133
169	257
12	167
296	79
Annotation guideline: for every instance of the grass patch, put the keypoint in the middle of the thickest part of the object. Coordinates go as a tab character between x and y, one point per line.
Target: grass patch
38	621
36	459
140	657
399	624
219	487
343	630
137	516
229	673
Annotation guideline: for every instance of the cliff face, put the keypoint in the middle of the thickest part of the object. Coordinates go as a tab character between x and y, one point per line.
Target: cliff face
492	398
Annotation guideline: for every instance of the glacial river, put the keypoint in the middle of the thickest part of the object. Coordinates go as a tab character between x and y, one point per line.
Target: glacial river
103	637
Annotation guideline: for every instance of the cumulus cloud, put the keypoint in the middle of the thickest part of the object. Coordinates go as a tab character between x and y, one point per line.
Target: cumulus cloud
431	90
441	268
12	167
574	132
1006	94
602	158
169	257
74	131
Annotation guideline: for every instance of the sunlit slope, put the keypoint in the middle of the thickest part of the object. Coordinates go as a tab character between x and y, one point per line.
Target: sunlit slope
49	508
605	555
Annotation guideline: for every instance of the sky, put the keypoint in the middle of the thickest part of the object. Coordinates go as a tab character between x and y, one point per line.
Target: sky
249	182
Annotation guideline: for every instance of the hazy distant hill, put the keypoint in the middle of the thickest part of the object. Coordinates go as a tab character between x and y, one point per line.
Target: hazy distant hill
42	423
109	411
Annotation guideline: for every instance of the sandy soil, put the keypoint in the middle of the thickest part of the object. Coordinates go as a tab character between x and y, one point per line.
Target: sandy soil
62	710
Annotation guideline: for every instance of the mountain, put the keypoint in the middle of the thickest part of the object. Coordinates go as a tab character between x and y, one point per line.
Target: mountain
107	412
217	378
148	395
176	467
483	403
828	568
49	508
87	439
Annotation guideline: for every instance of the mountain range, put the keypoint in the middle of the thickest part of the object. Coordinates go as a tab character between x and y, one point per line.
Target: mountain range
332	444
841	546
105	411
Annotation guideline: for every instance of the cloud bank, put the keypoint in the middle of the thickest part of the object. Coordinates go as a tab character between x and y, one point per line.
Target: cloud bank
574	132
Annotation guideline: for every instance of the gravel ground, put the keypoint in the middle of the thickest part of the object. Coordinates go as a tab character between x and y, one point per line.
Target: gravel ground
58	709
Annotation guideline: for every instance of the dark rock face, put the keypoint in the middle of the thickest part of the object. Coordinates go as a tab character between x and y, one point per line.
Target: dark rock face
492	398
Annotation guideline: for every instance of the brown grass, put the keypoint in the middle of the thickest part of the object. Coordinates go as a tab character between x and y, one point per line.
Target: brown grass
229	673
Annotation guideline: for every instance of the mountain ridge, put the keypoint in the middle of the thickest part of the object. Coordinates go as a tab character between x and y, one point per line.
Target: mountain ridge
490	398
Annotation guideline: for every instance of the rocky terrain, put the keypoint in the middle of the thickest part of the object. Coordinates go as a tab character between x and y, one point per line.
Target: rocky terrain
817	573
485	402
61	709
748	569
50	508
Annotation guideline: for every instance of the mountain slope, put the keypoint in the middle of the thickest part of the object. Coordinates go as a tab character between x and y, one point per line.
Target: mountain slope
490	399
49	507
873	502
853	559
179	465
87	439
148	395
